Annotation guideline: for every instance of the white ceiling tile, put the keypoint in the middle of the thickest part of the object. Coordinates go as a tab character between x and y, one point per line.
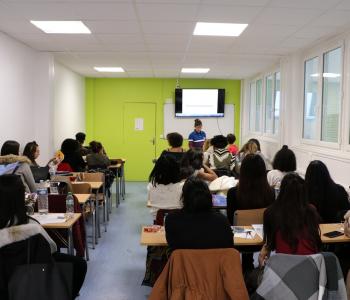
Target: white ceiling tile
237	2
18	26
166	74
162	58
287	16
105	11
168	27
296	43
108	39
210	44
167	12
333	19
113	27
315	32
167	43
42	11
345	4
255	31
227	13
318	4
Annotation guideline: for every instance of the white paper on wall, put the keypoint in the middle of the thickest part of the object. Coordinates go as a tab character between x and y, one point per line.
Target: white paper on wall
138	124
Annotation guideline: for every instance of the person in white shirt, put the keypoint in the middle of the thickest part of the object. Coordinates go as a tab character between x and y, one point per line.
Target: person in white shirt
283	163
165	187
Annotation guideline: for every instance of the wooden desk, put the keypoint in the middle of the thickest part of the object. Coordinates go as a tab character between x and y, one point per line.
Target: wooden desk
158	238
66	225
115	169
95	185
82	198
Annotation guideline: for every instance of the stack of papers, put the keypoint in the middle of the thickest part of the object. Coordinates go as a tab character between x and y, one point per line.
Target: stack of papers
49	218
259	229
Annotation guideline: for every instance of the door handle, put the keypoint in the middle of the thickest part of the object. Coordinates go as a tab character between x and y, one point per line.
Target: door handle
153	141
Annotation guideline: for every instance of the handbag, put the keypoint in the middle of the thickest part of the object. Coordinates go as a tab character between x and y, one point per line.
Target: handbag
41	281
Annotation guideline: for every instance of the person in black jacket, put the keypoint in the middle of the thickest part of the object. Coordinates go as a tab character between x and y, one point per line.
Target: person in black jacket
329	198
196	225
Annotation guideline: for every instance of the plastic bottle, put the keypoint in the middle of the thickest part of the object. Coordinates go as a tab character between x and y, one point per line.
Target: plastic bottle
69	206
52	170
277	188
43	201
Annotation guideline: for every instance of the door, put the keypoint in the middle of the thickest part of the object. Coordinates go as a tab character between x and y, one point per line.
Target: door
139	139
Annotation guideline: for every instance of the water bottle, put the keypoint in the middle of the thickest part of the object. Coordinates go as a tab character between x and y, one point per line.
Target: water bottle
43	201
69	206
52	170
277	188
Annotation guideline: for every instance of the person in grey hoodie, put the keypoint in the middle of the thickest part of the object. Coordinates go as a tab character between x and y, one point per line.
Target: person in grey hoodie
12	163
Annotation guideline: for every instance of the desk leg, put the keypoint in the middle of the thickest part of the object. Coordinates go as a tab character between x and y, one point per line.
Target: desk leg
97	216
86	244
117	200
123	181
70	241
93	225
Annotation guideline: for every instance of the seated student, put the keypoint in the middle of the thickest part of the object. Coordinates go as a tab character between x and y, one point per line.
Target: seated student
266	161
165	188
192	164
283	163
12	163
97	158
80	138
252	190
175	141
232	148
72	157
329	198
208	149
291	225
15	226
32	151
221	159
197	226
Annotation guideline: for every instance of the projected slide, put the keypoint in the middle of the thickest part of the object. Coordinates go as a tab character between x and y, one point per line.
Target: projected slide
199	102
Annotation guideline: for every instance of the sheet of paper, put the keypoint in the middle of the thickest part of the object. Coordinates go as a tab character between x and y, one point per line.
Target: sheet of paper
49	218
259	229
246	234
139	124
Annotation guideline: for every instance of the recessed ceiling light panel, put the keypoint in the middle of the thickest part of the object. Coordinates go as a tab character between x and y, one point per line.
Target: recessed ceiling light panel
195	70
63	27
219	29
109	69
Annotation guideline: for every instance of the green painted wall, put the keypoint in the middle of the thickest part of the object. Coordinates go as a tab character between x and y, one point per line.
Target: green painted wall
105	98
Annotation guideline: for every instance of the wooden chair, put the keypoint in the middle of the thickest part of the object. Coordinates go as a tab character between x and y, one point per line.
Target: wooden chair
85	188
65	179
101	198
247	217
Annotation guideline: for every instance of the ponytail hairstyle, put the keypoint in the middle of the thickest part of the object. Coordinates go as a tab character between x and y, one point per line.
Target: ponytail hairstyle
285	160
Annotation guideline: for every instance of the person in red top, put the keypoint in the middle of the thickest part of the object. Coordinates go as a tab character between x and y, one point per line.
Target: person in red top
232	148
291	225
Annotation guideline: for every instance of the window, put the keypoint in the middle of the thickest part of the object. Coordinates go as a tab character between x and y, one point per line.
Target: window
258	106
269	110
331	95
252	120
322	96
277	85
310	98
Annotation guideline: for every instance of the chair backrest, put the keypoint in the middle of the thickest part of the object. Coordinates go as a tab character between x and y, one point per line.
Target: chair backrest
190	274
161	213
82	188
93	177
246	217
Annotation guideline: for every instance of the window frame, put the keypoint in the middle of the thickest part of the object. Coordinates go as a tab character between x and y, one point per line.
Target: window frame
320	54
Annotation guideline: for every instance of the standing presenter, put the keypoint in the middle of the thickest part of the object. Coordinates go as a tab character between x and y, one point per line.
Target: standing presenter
197	137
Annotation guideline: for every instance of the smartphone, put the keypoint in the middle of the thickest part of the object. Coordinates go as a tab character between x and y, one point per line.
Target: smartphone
333	234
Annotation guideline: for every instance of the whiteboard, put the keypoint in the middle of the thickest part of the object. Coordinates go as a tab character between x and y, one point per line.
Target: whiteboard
211	125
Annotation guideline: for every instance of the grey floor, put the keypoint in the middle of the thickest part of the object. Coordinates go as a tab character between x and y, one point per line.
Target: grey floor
117	265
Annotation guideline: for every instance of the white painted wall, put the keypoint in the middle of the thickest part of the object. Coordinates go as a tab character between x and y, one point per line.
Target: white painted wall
337	158
25	95
69	104
40	99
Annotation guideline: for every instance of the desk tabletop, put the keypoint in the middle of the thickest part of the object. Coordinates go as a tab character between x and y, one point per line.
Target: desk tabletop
95	185
158	238
115	166
65	225
82	198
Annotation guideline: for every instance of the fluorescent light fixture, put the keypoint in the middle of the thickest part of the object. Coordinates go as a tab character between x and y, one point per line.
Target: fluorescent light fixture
109	69
195	70
331	75
315	75
219	29
67	27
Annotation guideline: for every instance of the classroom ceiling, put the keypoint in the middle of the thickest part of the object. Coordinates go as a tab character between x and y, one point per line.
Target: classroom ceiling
153	38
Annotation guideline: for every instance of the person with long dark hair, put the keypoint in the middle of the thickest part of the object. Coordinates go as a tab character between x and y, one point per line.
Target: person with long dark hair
192	165
12	163
291	224
72	156
252	190
283	163
329	198
165	187
32	151
98	157
16	226
175	150
197	225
